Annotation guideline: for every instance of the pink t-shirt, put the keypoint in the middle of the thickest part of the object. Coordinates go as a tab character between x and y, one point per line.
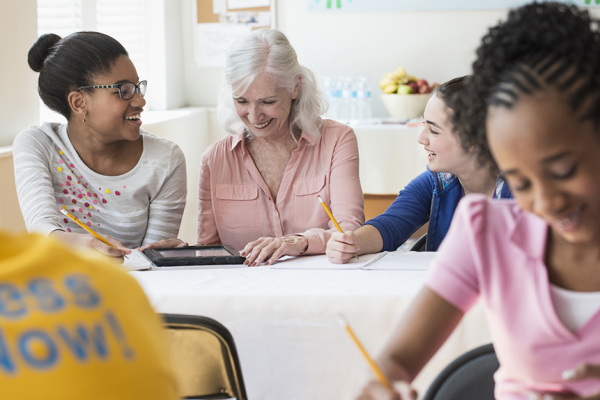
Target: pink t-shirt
235	204
495	252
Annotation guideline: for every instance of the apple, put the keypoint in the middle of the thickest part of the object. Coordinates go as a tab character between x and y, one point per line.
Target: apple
405	89
424	89
414	86
422	82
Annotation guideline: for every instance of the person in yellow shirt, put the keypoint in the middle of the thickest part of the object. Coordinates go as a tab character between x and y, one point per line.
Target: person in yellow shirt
75	326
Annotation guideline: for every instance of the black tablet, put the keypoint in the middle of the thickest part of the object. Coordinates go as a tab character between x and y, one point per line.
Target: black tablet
194	255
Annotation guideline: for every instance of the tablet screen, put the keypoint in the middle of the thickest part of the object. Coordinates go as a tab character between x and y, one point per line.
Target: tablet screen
195	253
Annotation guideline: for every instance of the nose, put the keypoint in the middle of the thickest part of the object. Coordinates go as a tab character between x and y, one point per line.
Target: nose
254	114
137	100
548	200
423	137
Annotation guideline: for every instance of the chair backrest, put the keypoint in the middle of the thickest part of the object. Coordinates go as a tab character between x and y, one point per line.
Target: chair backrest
469	377
420	244
204	357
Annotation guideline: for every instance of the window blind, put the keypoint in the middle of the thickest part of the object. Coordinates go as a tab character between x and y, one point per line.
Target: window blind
62	17
125	21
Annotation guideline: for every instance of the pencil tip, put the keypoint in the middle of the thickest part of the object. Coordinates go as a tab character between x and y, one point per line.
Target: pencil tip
342	320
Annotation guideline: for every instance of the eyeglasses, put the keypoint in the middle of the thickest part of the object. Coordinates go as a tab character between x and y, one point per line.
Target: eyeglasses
126	90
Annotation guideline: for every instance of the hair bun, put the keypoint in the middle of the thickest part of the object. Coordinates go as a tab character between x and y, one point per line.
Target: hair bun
40	50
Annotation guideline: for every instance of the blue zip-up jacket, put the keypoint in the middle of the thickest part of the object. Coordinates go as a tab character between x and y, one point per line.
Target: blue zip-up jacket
431	196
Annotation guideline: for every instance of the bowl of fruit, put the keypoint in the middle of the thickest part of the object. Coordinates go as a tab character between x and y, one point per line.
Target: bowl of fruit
405	96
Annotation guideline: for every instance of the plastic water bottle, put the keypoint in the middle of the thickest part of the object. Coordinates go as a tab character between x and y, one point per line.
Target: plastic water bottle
363	95
353	106
329	89
345	103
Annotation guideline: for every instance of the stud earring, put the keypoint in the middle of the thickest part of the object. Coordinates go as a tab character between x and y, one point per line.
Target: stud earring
83	117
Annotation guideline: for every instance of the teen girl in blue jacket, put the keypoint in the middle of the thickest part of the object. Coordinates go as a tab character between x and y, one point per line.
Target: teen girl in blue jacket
431	196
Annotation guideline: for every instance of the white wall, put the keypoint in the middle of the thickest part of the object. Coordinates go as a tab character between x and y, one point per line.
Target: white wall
18	94
435	45
164	55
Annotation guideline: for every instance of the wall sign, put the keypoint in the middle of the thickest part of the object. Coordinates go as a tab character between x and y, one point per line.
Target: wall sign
429	5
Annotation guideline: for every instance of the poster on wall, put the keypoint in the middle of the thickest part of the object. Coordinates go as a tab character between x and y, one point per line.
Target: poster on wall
412	5
218	23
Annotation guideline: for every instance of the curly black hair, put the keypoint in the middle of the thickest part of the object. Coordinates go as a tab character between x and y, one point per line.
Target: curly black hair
540	46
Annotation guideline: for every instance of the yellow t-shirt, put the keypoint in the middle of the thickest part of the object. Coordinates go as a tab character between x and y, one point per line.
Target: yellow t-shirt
75	326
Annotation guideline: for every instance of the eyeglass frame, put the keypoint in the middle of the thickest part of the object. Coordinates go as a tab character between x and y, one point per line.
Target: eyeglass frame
118	86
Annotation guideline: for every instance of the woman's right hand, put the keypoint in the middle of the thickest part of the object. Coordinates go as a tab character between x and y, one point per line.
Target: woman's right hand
341	247
375	390
89	241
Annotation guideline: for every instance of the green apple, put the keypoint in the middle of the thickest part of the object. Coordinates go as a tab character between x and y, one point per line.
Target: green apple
404	89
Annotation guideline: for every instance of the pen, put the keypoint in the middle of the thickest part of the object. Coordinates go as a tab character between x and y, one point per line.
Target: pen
84	226
332	218
374	367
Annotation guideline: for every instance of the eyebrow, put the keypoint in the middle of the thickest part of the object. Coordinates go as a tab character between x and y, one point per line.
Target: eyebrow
264	98
434	124
547	160
125	81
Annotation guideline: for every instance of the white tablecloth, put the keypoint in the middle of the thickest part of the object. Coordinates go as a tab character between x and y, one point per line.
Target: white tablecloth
390	157
285	329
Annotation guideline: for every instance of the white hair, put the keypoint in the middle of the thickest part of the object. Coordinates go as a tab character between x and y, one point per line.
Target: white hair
268	52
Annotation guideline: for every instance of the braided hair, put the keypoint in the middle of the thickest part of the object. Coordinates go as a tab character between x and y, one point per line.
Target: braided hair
541	46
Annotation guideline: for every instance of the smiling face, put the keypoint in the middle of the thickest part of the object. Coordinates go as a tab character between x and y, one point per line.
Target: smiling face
265	108
550	160
111	117
445	153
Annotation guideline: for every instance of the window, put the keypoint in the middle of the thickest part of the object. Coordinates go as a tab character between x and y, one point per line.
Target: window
124	20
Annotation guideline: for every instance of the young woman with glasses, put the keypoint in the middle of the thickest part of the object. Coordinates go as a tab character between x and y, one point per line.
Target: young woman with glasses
121	181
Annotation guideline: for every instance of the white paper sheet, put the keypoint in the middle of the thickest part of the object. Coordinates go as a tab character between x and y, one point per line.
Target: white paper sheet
410	261
237	4
213	41
320	262
136	261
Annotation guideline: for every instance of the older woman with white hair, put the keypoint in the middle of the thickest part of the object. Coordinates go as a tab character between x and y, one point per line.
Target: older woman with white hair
259	185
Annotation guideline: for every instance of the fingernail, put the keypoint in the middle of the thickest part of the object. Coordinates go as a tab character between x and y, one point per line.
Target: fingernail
547	397
255	263
533	396
569	374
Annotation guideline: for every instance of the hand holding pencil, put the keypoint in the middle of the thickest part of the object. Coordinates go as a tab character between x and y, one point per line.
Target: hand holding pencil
381	388
115	249
332	218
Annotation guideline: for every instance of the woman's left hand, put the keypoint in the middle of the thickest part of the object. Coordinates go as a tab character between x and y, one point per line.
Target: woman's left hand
269	249
581	372
174	242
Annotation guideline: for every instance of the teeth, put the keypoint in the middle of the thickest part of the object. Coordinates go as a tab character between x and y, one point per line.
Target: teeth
263	125
566	221
133	117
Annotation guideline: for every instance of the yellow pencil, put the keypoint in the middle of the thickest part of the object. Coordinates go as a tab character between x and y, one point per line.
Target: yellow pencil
332	218
374	366
330	215
84	226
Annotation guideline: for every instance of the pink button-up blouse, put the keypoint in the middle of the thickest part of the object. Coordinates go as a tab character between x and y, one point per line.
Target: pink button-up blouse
235	205
495	252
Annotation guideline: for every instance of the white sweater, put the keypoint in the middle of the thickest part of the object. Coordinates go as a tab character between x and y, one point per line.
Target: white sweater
139	207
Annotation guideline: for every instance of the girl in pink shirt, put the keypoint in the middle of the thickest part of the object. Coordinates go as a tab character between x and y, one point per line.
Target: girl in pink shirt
532	104
258	187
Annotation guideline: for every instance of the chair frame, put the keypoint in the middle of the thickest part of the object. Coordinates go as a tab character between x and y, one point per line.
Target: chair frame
459	362
234	370
420	244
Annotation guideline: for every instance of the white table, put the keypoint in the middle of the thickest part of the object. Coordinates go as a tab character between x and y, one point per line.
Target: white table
285	329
